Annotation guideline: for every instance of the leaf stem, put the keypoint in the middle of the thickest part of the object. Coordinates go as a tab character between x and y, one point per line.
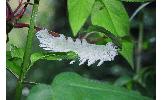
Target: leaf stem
28	49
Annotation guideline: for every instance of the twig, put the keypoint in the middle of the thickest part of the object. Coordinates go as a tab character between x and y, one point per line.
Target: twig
139	46
88	34
27	53
138	10
23	9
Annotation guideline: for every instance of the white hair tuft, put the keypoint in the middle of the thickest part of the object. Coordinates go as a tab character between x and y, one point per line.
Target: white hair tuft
86	52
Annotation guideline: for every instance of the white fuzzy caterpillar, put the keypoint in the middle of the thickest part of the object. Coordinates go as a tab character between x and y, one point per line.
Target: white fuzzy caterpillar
85	51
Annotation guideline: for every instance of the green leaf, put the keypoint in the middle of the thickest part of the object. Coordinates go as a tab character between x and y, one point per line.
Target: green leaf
46	13
123	80
17	37
13	68
71	86
14	60
52	56
136	0
111	15
79	10
17	52
127	51
41	92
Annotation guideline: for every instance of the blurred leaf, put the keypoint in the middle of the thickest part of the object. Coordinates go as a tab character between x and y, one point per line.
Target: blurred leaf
41	92
46	13
111	15
128	51
13	4
17	37
13	68
79	10
145	45
143	74
17	52
118	70
14	60
71	86
123	80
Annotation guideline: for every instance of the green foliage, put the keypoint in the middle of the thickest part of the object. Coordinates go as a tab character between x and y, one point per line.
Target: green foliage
127	51
111	15
14	60
17	52
109	19
14	68
143	75
52	56
123	80
17	37
79	10
41	92
45	13
71	86
28	50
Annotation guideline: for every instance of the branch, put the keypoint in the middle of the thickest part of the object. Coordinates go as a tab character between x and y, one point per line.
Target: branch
138	10
28	49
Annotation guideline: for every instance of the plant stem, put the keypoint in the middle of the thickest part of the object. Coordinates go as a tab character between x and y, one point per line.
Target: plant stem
28	48
19	87
138	10
139	45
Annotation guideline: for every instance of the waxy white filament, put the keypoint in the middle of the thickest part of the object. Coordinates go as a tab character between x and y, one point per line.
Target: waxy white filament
86	52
